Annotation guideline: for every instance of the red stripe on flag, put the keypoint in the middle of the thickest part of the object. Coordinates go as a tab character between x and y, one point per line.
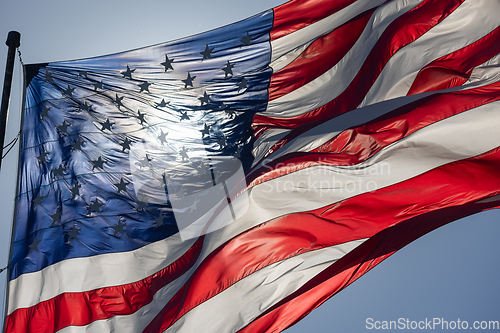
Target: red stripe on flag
78	309
354	265
404	30
357	144
351	219
297	14
454	69
319	57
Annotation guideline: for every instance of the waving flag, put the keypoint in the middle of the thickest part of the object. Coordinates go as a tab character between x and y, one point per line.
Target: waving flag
234	180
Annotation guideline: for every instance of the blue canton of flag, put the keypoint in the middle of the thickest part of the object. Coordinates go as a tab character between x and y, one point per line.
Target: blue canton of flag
109	142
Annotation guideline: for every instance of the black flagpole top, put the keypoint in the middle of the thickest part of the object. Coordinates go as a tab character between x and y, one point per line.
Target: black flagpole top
13	39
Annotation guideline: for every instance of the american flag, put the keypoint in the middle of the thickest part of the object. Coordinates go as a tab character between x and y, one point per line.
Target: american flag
234	180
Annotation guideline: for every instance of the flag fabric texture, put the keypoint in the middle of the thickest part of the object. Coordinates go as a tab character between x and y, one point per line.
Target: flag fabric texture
300	148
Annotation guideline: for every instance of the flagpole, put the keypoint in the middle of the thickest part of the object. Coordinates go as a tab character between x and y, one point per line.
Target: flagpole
13	42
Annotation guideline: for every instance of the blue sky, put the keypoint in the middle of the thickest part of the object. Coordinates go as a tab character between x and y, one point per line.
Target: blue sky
451	273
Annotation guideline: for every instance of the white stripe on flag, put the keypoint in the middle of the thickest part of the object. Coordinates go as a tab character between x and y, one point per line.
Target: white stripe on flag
471	21
490	199
333	82
487	71
89	273
320	134
259	291
288	57
266	141
290	42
